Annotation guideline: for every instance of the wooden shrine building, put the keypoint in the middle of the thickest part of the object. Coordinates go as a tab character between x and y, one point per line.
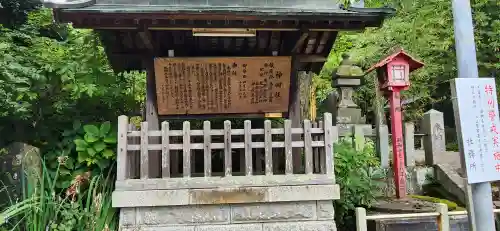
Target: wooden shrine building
135	31
216	58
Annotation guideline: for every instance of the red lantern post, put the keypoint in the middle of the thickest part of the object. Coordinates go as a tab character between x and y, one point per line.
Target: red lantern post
394	76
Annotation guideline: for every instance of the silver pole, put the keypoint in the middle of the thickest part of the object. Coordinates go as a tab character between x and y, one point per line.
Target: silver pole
481	210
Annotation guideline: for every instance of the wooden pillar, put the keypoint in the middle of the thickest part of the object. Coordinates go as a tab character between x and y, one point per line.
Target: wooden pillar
152	116
299	80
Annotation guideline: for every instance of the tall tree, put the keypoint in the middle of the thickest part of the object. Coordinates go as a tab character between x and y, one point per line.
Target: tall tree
424	28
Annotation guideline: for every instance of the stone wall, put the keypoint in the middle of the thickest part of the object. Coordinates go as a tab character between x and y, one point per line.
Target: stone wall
280	216
310	4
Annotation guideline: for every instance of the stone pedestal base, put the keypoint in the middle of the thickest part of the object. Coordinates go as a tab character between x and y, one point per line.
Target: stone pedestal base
279	216
349	116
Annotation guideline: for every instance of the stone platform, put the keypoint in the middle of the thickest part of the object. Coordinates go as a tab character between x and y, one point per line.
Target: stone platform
282	216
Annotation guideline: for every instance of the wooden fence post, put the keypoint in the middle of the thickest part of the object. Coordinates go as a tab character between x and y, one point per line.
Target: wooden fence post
361	219
248	148
186	149
165	149
122	157
144	151
443	218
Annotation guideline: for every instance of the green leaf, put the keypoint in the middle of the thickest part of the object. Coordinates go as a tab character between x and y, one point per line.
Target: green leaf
79	171
108	154
103	164
105	128
89	138
91	151
111	139
82	157
70	164
67	133
77	125
80	144
91	129
64	171
81	149
99	146
64	184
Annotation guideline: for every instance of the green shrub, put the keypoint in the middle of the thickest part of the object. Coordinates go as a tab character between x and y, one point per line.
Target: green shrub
81	149
452	146
356	173
97	145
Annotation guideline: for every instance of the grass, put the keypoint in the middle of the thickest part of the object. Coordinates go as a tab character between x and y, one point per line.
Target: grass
452	206
84	206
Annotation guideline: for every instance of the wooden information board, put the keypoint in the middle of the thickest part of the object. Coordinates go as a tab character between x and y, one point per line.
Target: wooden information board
232	85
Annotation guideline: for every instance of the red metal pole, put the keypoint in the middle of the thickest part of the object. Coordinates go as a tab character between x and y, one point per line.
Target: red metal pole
397	143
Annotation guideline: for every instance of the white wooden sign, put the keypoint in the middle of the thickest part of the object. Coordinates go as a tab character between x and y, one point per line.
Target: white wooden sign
476	109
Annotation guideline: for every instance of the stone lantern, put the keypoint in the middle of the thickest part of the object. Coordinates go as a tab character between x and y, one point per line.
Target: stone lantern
345	79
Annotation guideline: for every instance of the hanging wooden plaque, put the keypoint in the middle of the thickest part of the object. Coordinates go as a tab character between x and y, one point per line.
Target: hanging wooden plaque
229	85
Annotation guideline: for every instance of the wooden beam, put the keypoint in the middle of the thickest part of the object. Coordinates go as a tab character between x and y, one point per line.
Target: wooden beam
300	43
145	37
311	58
311	42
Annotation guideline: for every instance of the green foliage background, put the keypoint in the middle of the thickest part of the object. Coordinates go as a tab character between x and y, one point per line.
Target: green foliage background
424	28
52	75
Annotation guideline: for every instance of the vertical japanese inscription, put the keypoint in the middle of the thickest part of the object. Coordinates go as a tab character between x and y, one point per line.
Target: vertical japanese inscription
492	119
210	85
478	113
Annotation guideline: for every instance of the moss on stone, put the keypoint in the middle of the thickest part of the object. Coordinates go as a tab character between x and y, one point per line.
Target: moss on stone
451	205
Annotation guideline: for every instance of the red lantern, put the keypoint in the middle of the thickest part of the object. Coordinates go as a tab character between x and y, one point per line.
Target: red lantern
393	74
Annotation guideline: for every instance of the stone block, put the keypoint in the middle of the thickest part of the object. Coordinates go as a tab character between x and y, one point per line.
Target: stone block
225	3
132	2
162	2
304	193
104	2
301	226
348	129
228	195
451	181
346	82
435	141
349	116
196	214
123	199
238	227
267	212
325	210
127	217
161	228
192	2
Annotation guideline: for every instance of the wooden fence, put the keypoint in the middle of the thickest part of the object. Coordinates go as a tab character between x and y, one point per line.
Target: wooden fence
442	216
253	151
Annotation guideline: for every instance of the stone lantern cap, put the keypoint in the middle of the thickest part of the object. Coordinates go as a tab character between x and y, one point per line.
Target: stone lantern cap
347	74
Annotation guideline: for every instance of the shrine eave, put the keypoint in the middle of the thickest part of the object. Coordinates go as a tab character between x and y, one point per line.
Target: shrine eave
173	18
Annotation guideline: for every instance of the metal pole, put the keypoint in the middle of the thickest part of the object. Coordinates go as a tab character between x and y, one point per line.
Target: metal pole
480	212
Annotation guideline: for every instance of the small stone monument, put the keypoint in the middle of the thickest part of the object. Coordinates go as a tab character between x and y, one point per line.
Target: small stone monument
346	78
